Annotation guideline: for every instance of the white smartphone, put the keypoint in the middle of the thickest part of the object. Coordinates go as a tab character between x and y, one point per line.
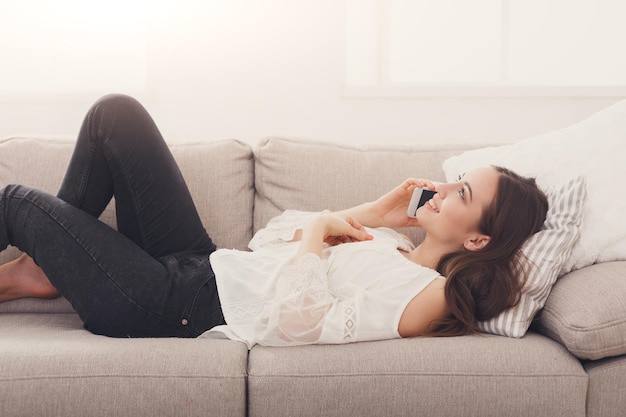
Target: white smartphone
419	198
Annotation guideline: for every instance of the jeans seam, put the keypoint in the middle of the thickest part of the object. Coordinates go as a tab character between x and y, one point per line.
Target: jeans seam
135	200
190	308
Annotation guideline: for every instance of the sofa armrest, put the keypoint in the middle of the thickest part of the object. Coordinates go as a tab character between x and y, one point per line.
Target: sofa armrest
586	311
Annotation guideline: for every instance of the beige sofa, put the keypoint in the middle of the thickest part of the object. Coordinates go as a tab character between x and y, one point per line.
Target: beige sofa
568	365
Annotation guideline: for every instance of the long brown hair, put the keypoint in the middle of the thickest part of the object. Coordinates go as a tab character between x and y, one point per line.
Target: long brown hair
481	284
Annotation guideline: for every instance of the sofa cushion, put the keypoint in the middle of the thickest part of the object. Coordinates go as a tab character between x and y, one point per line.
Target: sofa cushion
489	375
35	305
313	176
51	366
220	177
605	397
586	311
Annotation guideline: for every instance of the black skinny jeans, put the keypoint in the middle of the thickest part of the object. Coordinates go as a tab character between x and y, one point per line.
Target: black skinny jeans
151	277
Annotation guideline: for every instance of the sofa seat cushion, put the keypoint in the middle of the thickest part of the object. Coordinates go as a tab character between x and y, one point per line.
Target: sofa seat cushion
606	387
586	311
36	305
51	366
489	375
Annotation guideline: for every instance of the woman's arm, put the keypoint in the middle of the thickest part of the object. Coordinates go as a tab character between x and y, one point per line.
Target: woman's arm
427	306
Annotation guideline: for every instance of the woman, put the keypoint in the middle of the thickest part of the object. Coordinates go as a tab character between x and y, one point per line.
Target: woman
311	278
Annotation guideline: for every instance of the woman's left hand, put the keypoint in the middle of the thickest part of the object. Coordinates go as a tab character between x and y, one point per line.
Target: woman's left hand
331	228
342	228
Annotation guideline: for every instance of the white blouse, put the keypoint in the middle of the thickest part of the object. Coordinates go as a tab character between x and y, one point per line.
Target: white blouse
354	292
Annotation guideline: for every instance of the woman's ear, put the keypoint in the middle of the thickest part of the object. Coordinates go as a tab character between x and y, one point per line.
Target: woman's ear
477	242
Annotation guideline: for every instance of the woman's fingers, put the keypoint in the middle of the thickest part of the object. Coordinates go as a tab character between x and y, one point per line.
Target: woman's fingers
411	183
359	231
345	229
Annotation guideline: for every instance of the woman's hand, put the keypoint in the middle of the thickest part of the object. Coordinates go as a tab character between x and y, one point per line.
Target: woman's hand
391	208
331	228
342	228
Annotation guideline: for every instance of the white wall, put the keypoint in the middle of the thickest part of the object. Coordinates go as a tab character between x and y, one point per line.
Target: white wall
248	69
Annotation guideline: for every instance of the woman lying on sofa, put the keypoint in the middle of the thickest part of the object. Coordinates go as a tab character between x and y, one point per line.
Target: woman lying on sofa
330	277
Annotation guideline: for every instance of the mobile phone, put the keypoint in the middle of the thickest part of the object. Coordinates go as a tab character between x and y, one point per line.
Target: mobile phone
419	198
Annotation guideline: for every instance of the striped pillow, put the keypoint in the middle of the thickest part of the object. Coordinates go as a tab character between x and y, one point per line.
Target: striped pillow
547	251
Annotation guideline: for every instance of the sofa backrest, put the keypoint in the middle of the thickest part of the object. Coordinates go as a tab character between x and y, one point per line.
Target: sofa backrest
220	176
313	176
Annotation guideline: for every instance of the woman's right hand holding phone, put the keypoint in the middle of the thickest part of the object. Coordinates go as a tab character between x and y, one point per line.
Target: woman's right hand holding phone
391	208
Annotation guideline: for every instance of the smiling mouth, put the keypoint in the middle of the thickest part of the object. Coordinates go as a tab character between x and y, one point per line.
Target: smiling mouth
433	206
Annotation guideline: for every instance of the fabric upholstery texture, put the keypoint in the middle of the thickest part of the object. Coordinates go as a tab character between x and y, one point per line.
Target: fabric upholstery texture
418	377
586	311
314	176
606	397
71	369
34	305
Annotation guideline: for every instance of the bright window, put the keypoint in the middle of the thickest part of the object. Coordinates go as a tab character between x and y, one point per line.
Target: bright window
486	47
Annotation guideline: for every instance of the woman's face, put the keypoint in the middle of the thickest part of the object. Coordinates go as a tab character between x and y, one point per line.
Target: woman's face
453	214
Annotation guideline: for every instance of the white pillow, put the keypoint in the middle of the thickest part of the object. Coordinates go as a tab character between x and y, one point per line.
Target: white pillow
546	252
594	147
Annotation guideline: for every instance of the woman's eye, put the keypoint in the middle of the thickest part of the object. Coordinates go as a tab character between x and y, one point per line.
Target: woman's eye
462	193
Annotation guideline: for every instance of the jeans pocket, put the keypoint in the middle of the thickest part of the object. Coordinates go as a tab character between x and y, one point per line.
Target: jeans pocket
203	310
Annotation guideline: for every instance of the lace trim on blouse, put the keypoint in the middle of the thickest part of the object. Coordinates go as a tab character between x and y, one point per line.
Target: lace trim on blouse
349	313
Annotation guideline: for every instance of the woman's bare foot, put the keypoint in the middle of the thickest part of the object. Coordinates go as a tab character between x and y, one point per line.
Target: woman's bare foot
22	278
